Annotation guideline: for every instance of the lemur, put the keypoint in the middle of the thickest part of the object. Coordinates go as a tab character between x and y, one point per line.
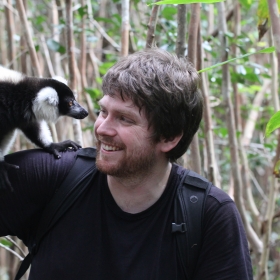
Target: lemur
28	104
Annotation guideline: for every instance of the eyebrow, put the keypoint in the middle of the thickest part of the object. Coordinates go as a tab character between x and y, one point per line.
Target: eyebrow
124	112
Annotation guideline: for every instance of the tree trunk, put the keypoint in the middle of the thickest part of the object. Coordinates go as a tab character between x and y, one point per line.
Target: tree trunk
125	28
192	50
235	166
72	66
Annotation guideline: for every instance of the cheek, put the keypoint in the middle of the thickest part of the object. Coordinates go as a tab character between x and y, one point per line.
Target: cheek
97	124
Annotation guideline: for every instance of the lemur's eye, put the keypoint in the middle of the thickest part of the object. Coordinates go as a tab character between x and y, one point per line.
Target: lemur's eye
70	103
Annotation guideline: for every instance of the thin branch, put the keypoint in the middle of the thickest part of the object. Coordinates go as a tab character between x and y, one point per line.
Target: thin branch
253	115
47	55
72	65
213	170
10	27
103	33
181	31
10	7
215	33
152	26
258	187
192	50
13	241
125	28
11	251
26	28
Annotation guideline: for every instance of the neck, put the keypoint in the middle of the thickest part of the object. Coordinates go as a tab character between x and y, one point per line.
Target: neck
136	194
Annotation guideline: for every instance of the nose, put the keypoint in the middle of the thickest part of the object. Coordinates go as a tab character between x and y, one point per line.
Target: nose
84	113
104	126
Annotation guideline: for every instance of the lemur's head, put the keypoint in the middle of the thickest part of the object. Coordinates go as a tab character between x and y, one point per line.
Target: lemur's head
55	99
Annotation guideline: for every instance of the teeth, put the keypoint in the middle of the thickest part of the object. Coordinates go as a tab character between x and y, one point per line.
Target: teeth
110	148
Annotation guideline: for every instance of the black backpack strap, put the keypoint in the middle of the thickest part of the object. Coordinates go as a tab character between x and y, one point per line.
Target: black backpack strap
76	181
188	213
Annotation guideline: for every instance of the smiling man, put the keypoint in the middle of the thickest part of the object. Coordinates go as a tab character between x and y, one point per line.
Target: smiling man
120	227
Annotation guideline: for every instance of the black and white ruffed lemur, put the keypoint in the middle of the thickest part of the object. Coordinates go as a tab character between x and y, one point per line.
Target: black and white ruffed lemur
28	104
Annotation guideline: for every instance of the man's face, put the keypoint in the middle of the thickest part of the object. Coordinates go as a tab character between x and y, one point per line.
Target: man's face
123	139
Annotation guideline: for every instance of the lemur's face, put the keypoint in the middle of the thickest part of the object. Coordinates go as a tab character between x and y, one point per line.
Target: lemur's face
67	104
56	99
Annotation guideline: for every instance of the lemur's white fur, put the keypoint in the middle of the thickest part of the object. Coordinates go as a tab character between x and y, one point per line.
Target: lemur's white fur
45	105
60	79
10	75
45	134
7	143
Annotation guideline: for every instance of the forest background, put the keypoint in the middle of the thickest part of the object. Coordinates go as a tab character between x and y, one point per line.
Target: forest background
80	40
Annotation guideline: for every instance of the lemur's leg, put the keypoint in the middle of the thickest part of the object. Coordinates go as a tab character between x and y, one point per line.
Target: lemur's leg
40	135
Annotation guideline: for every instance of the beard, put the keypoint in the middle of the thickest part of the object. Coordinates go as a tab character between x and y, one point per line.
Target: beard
136	162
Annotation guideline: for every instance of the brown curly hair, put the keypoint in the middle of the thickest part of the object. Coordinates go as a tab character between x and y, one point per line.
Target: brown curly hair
166	88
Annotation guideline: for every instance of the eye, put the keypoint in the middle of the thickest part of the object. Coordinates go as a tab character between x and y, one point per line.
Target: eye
70	103
102	113
126	120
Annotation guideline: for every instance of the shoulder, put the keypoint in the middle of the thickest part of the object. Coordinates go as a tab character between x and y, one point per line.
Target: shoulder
39	168
37	156
193	178
218	195
217	200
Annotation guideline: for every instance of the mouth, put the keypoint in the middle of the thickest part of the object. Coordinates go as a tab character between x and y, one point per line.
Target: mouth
109	148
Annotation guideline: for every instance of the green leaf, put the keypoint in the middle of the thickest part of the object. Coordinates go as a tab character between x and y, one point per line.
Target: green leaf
6	242
169	12
272	124
165	2
93	92
55	46
277	169
82	11
245	3
266	50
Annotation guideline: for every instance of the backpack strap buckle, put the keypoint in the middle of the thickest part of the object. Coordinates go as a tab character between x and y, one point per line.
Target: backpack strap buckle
179	227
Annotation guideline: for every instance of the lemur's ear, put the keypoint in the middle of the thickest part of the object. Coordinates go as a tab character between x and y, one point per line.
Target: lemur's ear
60	79
47	95
52	101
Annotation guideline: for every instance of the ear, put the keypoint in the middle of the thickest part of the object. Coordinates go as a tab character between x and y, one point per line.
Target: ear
169	144
48	95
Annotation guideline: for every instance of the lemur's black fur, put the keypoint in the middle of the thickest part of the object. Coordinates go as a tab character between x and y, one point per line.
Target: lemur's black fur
28	104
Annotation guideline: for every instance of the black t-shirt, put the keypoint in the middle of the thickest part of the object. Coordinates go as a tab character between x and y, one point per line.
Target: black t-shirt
95	239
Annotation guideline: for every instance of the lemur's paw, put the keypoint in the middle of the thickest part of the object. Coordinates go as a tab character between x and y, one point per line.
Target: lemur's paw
4	178
55	148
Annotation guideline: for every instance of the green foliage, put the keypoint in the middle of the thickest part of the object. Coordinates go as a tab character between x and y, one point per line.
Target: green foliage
94	93
5	242
56	46
168	12
83	11
273	124
186	2
266	50
105	66
38	22
276	170
246	3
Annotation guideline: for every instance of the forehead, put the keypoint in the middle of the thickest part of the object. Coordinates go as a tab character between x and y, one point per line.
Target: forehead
118	104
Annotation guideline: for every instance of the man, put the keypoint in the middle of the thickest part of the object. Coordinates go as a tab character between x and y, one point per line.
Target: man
120	227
